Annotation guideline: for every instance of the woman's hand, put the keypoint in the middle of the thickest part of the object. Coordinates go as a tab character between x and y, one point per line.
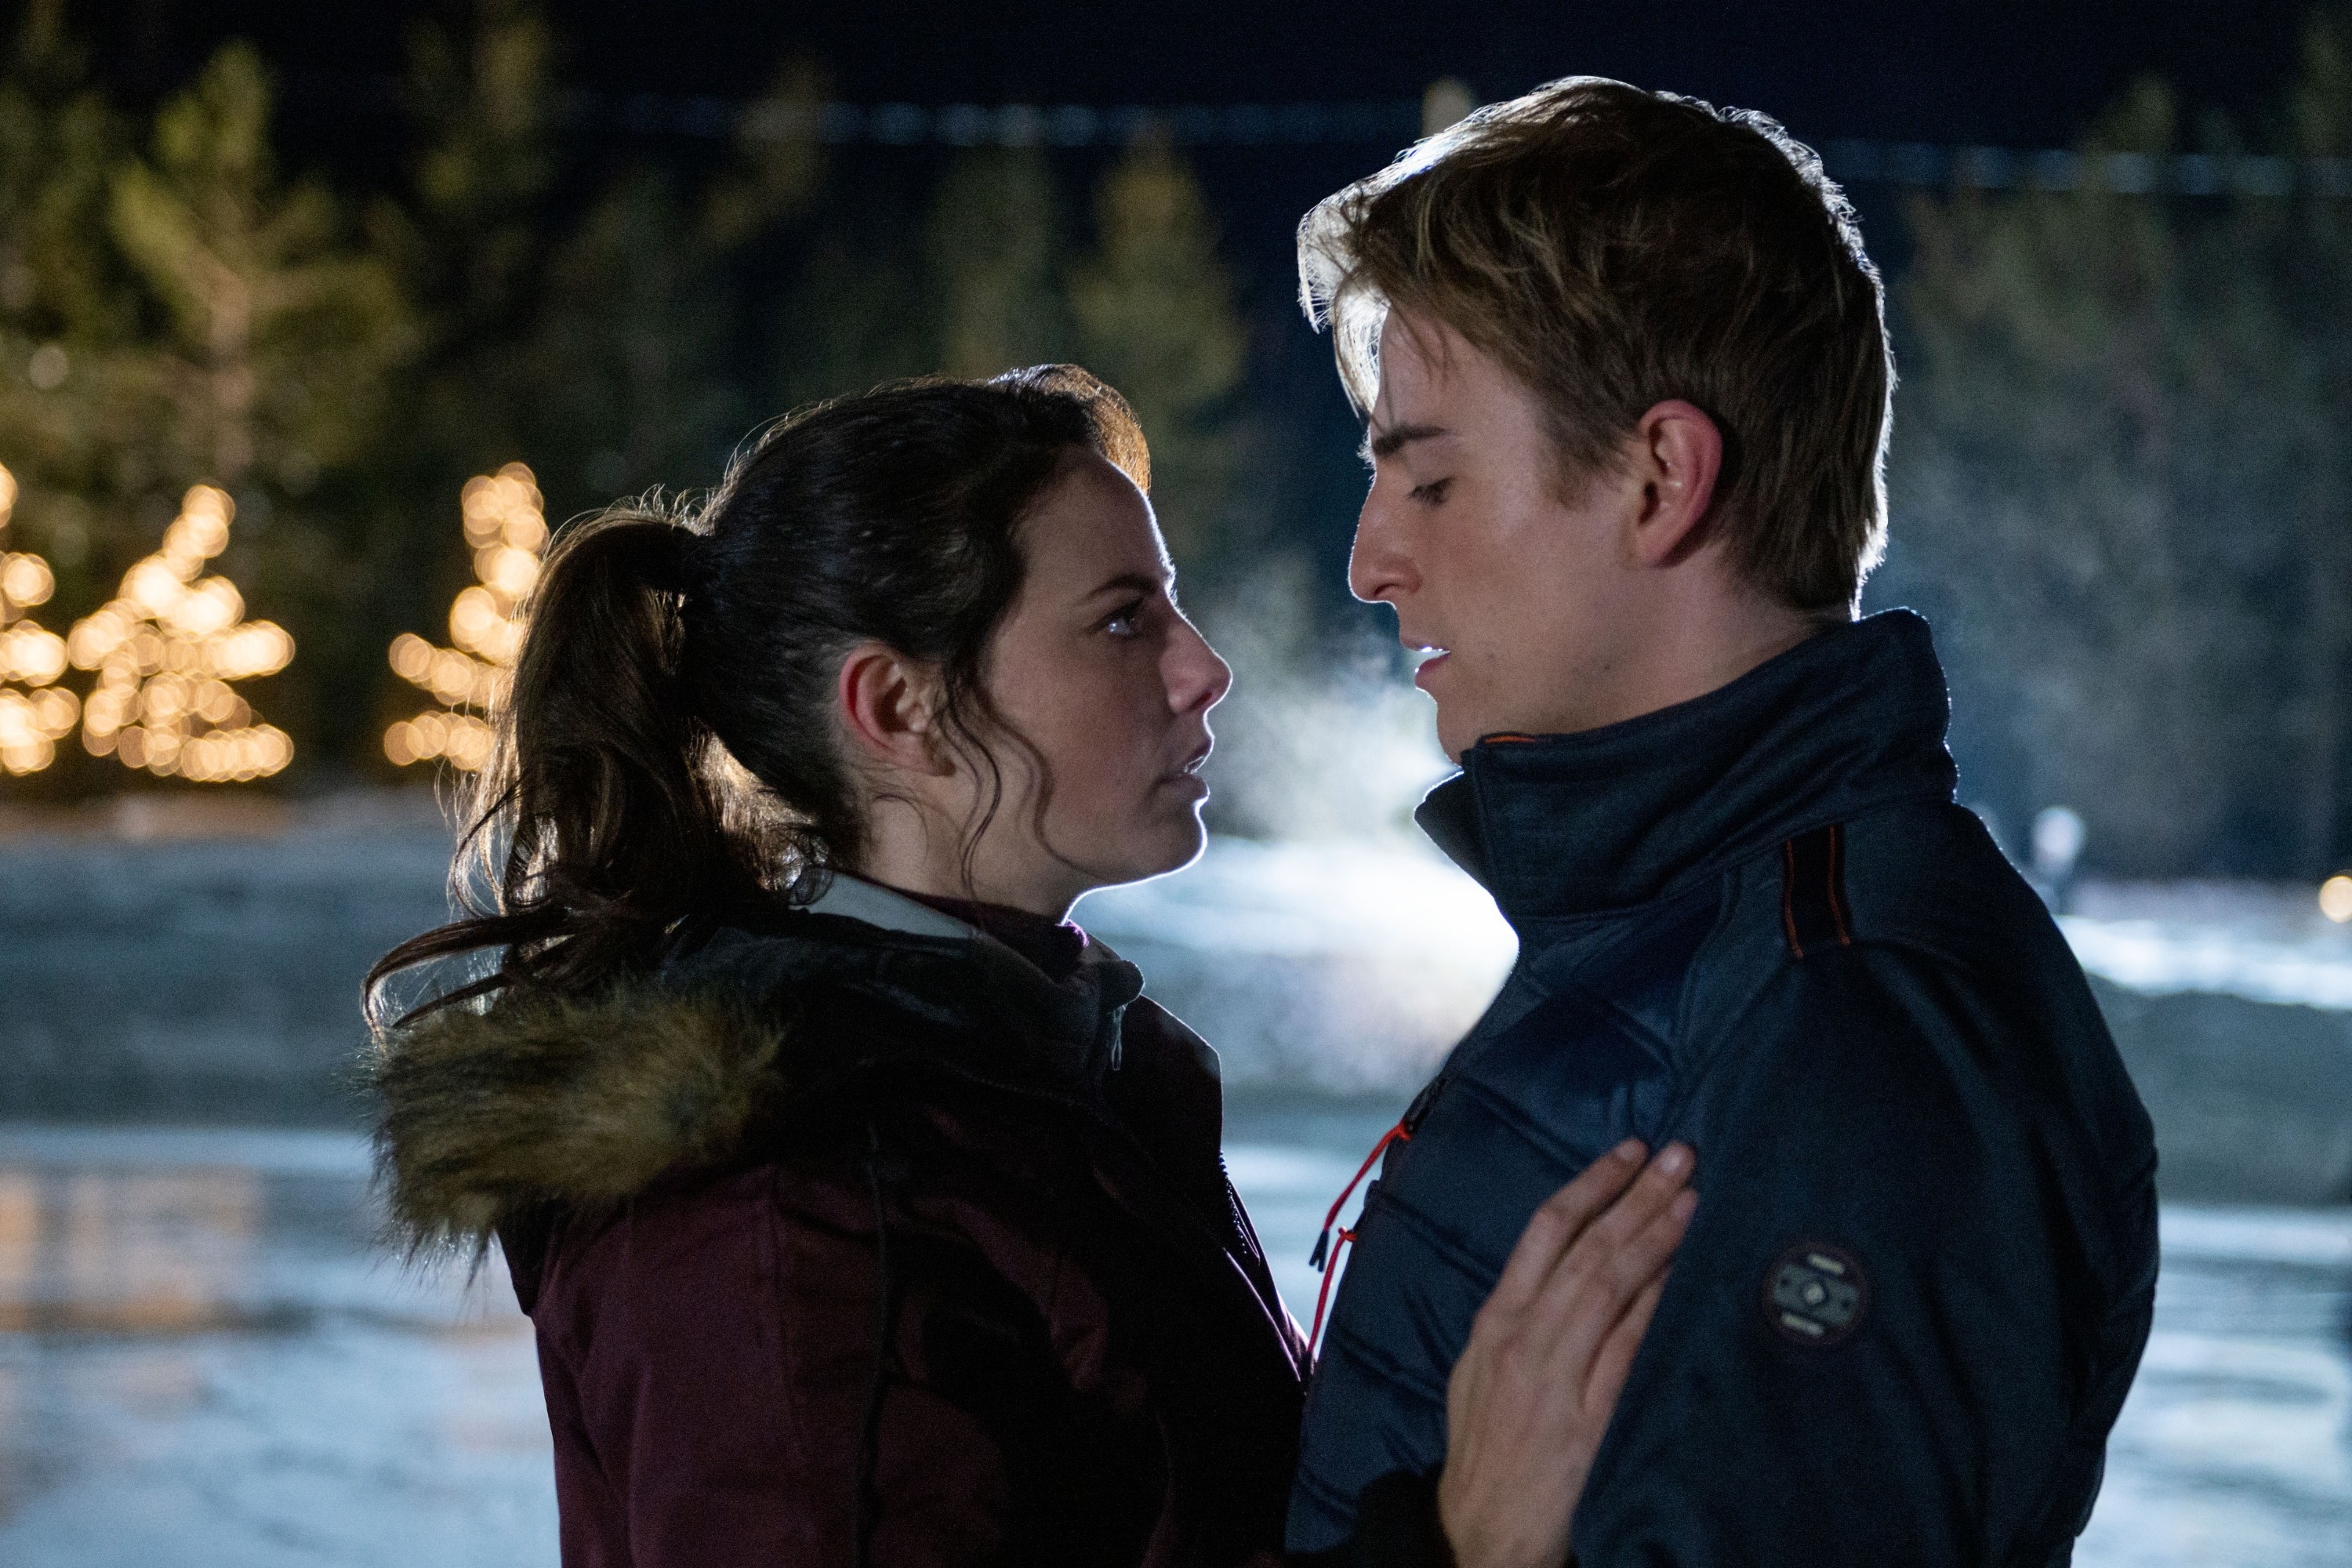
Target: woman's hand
1549	1352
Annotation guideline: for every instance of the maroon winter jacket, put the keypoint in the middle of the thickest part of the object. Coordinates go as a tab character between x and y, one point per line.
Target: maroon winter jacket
847	1244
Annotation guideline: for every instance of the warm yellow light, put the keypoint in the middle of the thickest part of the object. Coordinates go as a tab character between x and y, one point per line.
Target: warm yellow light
26	756
166	649
411	657
107	710
214	702
95	636
525	530
152	586
209	607
473	618
503	515
31	655
30	726
54	711
468	746
26	581
2335	897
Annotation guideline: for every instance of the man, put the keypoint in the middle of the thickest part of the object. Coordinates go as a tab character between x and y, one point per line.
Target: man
1627	383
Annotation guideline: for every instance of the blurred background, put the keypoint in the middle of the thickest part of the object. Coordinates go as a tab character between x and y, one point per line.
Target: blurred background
314	320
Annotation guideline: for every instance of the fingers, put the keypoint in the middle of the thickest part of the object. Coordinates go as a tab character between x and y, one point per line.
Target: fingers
1562	1218
1535	1389
1607	1270
1630	1243
1614	1360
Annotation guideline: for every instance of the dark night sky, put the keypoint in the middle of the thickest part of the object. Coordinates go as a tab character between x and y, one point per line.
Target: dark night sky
2001	71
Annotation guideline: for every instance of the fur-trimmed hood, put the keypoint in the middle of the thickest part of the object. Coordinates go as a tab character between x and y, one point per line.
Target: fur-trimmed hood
527	1098
538	1099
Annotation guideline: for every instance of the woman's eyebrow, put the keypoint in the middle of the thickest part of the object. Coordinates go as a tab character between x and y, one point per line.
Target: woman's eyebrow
1129	582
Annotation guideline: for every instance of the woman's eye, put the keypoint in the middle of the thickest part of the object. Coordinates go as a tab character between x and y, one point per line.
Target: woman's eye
1432	492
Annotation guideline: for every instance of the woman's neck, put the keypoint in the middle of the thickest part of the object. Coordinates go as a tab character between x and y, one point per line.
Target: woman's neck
899	855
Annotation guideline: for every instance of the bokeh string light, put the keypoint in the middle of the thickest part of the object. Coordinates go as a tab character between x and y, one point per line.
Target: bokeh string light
506	529
35	712
167	649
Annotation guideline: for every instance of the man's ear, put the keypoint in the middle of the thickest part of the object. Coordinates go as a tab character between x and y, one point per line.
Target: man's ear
888	703
1677	455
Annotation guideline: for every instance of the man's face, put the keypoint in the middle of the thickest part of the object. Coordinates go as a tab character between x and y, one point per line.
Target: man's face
1531	600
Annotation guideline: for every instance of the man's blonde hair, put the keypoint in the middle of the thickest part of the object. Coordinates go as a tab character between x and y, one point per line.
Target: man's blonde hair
1613	247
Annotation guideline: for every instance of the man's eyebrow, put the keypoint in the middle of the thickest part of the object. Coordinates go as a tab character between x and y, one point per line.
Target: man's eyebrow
1388	443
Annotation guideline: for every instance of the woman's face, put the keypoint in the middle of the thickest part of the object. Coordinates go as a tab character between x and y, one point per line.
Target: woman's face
1096	667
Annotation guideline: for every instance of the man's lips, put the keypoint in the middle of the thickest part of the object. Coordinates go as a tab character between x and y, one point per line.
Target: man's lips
1431	656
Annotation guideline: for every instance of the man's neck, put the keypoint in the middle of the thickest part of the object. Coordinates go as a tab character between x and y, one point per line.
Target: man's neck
1697	642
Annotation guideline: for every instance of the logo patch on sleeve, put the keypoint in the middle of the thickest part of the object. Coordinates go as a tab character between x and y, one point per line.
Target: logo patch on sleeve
1815	1295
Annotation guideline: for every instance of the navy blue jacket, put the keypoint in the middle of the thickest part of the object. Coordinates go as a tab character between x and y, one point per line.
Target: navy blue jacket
1920	1275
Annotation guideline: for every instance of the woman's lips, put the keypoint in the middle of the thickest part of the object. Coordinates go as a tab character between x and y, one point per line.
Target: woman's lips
1187	774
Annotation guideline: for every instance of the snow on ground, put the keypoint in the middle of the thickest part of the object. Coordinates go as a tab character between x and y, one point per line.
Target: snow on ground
2264	942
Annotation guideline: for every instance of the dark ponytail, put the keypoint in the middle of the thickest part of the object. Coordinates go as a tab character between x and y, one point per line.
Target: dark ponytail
668	751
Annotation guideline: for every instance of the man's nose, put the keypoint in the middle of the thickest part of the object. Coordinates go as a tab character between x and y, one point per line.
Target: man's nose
1379	566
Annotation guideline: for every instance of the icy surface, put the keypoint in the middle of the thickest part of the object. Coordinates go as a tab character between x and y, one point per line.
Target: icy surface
203	1363
2267	942
2264	942
209	967
1348	968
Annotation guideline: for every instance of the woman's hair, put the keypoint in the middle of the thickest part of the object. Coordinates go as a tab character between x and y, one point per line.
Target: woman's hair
670	652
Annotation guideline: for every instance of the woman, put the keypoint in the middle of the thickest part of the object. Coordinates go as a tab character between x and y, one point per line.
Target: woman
864	1210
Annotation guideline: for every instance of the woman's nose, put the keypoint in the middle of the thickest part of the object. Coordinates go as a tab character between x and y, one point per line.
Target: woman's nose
1197	677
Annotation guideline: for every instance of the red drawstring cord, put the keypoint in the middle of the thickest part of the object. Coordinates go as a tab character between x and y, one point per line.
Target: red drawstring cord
1325	1257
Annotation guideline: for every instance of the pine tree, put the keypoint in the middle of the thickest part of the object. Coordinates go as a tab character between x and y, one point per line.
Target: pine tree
470	242
69	357
278	330
994	250
273	334
1155	316
168	650
506	528
35	712
2121	473
627	358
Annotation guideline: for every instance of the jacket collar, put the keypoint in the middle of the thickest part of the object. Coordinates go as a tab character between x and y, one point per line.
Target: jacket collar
863	939
528	1097
886	909
1848	720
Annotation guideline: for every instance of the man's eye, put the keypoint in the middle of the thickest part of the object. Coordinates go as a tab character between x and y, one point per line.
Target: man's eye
1125	621
1432	492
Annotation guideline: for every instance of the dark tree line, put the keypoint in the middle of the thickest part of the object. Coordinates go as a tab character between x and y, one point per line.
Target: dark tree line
176	310
2122	482
2121	473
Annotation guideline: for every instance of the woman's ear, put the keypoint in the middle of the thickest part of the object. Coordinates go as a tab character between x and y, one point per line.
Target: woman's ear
888	704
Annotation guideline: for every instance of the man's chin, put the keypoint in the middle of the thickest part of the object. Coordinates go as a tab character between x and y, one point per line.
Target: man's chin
1453	738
